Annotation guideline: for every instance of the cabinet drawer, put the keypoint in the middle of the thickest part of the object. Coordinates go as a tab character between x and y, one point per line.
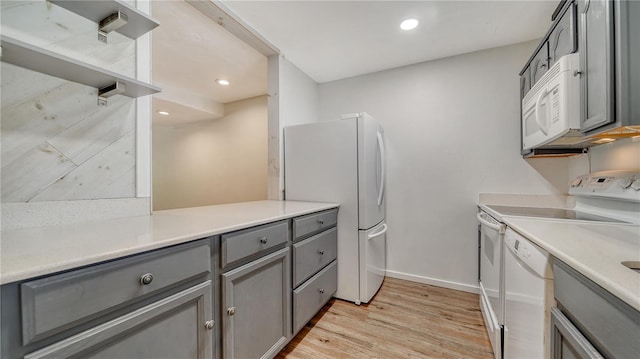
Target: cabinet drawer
143	334
312	254
244	243
313	294
313	223
59	302
609	323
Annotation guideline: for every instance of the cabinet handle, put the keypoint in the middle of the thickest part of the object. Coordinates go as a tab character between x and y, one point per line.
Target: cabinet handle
321	252
231	310
146	278
320	221
264	240
577	73
321	291
209	324
543	65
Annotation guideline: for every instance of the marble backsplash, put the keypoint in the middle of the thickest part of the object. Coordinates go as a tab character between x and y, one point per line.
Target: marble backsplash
57	144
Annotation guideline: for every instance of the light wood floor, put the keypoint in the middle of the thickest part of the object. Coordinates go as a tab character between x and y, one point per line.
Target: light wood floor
404	320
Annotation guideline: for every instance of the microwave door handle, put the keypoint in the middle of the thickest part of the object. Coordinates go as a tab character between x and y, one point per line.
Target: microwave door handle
543	128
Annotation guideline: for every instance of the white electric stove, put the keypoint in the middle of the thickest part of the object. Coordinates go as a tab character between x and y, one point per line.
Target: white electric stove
515	276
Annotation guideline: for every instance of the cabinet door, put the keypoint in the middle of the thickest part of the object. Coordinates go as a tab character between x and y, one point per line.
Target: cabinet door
563	40
595	20
566	340
540	64
178	326
256	307
525	83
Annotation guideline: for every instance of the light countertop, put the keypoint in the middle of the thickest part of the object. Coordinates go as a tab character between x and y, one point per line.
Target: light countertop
594	249
31	252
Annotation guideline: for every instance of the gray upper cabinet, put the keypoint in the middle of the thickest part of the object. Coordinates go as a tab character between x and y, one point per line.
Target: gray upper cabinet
256	307
539	64
178	326
563	38
609	62
525	83
595	20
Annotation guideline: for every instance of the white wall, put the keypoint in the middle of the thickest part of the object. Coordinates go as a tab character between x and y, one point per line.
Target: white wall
212	162
451	128
293	100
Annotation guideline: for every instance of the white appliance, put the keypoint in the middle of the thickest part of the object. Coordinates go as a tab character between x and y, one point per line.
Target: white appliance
490	278
527	289
343	162
551	110
528	285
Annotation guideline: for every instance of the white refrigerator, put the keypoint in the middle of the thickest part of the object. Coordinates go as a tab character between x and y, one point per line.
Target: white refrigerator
343	162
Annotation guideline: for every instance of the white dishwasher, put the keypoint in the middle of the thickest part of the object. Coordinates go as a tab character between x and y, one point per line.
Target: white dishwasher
528	286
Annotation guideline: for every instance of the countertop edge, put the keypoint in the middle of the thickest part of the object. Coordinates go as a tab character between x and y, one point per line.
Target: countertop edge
8	277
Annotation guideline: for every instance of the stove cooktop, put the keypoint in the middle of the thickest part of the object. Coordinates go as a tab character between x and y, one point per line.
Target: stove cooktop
553	213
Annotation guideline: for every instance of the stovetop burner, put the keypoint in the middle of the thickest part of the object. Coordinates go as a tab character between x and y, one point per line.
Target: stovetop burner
553	213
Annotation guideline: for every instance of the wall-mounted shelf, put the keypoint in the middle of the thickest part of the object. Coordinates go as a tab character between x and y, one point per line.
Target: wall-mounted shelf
37	59
138	23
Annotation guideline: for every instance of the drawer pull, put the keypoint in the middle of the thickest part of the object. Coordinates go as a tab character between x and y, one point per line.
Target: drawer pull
231	310
264	240
321	252
321	221
321	291
146	279
209	324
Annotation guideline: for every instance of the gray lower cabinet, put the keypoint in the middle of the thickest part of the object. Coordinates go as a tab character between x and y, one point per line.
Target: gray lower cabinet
256	307
174	327
589	322
125	308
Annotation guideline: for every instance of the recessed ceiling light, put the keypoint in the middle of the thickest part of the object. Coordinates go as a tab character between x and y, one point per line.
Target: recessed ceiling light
409	24
222	82
165	113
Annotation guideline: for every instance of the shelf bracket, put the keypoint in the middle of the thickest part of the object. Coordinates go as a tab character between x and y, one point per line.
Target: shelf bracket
108	91
111	23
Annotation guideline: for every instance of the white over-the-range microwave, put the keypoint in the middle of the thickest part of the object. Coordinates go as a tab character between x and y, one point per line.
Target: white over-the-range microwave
551	109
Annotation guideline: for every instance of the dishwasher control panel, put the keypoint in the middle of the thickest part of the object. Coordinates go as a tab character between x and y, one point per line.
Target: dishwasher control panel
536	258
621	185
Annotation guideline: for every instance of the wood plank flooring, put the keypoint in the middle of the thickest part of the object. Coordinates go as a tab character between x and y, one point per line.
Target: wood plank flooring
404	320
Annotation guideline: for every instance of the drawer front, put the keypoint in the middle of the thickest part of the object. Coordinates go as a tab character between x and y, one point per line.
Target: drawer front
309	298
244	243
313	254
609	323
313	223
59	302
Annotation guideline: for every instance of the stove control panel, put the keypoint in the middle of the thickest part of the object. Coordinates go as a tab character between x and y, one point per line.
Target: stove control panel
622	185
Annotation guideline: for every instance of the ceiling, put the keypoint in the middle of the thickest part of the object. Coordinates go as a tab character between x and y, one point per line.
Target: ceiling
191	51
331	40
328	40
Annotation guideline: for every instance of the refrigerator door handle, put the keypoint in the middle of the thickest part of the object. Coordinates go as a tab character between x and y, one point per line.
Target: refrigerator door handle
382	167
379	233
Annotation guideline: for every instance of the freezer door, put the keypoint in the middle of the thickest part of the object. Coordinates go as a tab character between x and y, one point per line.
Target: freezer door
373	260
371	172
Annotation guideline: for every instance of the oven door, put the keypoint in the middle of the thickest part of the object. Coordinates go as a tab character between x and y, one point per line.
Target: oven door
491	278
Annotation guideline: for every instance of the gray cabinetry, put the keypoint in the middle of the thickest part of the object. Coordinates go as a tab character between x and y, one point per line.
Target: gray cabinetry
596	62
563	38
315	273
609	62
125	308
175	327
256	307
248	243
590	322
539	64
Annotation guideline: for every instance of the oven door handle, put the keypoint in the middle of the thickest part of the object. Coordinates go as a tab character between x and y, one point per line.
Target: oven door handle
496	227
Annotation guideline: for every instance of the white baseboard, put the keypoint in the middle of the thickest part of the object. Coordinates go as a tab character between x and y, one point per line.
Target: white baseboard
433	281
